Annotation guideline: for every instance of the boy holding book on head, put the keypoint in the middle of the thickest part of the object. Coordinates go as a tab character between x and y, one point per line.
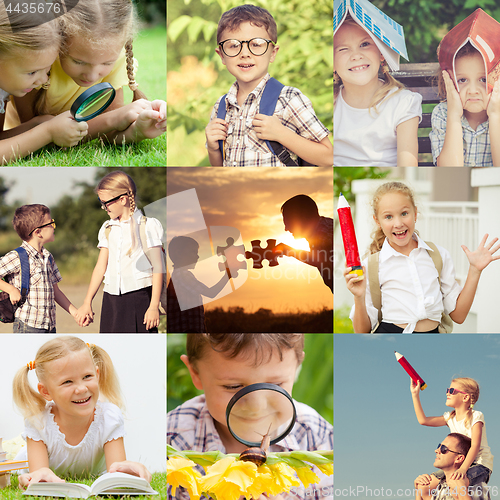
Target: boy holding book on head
221	364
36	313
247	44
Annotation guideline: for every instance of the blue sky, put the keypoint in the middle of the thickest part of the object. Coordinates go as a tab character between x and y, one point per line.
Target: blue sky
378	441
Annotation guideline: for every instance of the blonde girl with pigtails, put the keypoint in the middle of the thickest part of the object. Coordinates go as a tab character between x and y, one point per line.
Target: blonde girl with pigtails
131	289
69	429
462	395
98	47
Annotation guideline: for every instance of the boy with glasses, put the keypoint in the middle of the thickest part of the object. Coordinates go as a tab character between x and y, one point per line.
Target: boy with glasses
37	312
247	44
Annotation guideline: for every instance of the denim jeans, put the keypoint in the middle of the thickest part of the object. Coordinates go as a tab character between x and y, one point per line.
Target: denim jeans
20	327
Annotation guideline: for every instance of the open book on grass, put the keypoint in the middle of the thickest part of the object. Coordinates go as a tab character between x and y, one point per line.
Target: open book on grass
112	483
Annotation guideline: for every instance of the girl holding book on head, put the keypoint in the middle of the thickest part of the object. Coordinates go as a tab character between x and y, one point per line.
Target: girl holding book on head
69	429
375	117
466	126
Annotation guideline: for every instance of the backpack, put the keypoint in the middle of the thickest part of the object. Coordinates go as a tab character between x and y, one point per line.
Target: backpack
147	252
7	309
267	105
446	325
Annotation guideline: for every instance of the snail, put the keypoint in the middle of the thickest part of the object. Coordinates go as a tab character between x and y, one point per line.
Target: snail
257	455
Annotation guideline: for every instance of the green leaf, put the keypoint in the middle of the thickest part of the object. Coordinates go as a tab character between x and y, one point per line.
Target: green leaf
194	28
178	26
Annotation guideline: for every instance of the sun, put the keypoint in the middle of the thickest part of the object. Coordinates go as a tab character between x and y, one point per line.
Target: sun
288	239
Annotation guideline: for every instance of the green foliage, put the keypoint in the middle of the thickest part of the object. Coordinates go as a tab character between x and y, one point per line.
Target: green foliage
314	386
343	177
425	22
341	321
304	60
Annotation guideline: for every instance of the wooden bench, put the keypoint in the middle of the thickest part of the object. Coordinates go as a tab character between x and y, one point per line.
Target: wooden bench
419	77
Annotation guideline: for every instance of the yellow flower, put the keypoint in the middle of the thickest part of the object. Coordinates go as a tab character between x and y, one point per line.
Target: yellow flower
229	478
180	472
263	482
307	476
326	469
283	479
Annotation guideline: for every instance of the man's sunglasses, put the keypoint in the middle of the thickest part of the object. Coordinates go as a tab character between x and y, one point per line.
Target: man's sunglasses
104	204
444	449
452	390
51	223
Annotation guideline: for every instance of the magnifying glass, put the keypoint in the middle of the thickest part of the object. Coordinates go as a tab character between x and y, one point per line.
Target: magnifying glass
258	410
93	101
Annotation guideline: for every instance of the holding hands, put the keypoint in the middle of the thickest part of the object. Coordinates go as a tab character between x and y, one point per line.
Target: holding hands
484	254
84	315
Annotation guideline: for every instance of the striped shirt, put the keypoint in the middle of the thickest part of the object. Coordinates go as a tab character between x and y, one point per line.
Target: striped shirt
242	147
39	310
191	427
476	143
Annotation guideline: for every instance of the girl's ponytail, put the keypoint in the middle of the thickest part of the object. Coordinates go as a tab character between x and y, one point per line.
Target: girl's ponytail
29	401
133	85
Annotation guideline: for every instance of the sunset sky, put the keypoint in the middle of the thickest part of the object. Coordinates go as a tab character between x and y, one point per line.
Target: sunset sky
249	199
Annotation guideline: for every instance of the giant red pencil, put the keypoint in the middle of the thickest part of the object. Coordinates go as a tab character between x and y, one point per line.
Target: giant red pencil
409	370
352	259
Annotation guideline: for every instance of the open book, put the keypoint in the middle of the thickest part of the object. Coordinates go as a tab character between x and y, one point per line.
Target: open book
112	483
387	34
483	33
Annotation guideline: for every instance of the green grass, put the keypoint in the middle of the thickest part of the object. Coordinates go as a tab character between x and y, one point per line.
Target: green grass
341	321
158	483
150	50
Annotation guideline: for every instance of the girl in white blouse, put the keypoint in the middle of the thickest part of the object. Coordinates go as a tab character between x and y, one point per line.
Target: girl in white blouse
68	430
375	119
132	290
413	300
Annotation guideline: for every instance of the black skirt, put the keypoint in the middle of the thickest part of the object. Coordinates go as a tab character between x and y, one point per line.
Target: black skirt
125	313
391	328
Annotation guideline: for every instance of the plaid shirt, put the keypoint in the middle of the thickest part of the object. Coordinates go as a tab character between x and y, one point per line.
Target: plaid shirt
476	492
191	320
477	149
191	427
39	310
242	147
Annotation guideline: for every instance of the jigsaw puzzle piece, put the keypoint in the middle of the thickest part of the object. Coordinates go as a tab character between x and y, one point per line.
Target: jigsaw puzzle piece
231	253
258	254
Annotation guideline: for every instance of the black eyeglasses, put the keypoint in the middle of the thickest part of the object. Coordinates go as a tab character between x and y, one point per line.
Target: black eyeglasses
257	46
104	204
452	390
444	449
51	223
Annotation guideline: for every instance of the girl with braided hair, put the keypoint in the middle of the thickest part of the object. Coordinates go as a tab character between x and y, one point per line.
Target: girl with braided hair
97	47
131	289
69	429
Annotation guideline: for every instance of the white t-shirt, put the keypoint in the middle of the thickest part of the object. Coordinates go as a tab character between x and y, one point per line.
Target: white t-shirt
88	455
363	137
126	273
410	286
484	456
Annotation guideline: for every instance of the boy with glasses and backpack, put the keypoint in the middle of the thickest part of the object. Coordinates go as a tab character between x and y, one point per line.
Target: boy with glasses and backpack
32	275
260	122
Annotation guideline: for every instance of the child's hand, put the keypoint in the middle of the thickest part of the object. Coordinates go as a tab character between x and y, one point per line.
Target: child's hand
134	468
84	315
423	480
161	107
493	108
152	318
65	131
415	388
216	131
126	115
355	284
460	473
267	127
455	108
43	475
15	296
145	127
480	258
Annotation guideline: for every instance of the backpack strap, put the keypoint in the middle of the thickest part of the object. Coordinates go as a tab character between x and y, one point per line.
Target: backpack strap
107	230
436	259
221	113
374	282
25	273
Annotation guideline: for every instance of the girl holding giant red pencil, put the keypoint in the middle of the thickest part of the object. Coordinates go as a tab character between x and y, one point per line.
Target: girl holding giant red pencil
462	395
410	286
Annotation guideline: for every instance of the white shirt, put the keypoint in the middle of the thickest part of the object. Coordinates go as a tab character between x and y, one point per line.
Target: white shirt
85	457
126	273
484	456
363	137
410	286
